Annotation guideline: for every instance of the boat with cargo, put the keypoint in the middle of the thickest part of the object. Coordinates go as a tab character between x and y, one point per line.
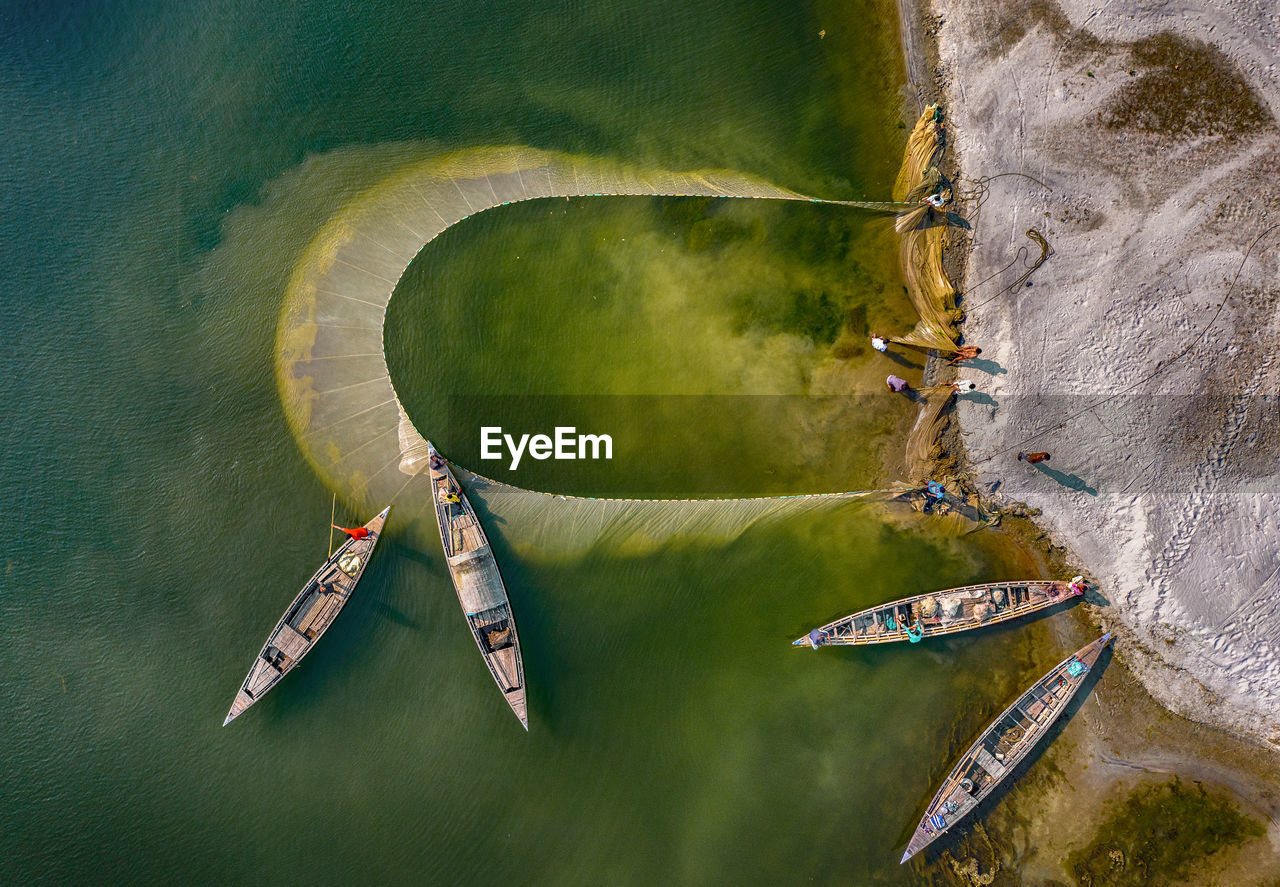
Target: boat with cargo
944	612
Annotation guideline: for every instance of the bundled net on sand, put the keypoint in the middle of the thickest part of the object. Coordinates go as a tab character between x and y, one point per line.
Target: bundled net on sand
928	286
923	445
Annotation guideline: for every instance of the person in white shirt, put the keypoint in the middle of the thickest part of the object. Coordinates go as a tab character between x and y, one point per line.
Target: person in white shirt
963	385
878	343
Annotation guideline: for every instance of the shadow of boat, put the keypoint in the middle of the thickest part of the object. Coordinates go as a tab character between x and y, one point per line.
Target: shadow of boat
962	831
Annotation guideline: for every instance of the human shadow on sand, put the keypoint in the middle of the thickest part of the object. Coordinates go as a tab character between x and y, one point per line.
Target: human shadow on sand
1070	481
982	365
1095	597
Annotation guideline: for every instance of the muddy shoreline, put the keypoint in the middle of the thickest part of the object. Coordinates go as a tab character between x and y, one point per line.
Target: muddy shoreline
1122	737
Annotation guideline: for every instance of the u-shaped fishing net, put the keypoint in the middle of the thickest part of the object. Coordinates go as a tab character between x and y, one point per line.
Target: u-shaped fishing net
333	377
338	396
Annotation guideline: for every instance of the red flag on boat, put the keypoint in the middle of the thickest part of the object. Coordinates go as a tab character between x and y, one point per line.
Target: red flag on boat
357	533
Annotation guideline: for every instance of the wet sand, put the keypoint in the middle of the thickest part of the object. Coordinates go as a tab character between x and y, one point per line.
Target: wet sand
1139	143
1135	354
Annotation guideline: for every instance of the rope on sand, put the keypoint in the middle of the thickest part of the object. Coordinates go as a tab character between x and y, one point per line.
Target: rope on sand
1160	367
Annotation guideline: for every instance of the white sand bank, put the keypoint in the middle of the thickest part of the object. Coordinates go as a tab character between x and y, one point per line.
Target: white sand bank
1170	493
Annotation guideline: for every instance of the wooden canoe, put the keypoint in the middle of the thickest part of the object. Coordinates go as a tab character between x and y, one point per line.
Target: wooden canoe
308	617
1003	744
478	584
942	612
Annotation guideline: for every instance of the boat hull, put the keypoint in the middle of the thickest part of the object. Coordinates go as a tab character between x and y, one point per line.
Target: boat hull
308	617
479	586
1004	743
977	606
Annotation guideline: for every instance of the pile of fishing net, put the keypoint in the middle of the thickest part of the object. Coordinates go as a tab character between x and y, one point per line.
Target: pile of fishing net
924	228
923	444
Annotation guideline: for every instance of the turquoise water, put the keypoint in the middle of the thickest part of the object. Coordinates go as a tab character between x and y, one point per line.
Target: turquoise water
163	166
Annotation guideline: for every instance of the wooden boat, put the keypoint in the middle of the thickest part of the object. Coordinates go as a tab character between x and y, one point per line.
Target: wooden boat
479	585
1004	743
308	617
943	612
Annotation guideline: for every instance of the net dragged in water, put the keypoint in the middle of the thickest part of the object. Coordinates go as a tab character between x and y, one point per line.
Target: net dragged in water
923	446
338	396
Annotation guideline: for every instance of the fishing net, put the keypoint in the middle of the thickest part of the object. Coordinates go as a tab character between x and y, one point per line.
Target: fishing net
338	397
924	150
923	445
547	527
344	411
958	514
924	227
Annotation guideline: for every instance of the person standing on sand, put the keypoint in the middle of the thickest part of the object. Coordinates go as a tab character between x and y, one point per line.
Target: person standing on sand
897	385
1033	458
963	385
879	343
964	352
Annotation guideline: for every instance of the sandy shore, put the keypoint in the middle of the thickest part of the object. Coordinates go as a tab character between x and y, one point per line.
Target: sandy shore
1149	133
1118	741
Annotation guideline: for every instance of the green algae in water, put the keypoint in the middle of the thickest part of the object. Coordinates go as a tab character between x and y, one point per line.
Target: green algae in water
679	737
1158	835
721	343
